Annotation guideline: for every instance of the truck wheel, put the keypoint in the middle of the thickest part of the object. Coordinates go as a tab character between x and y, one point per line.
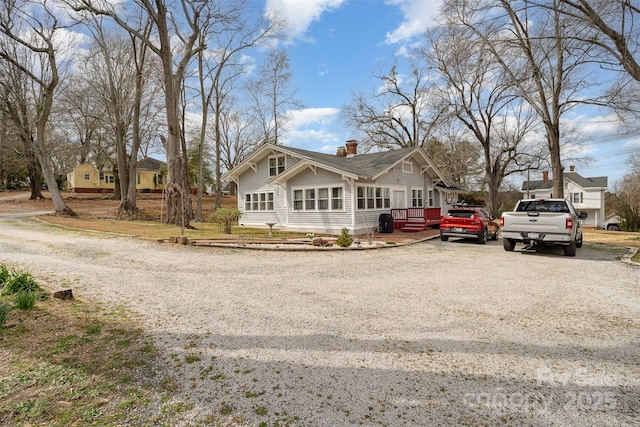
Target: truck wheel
508	244
444	238
570	250
482	237
579	242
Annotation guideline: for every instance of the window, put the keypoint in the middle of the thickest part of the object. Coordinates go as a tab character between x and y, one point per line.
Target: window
297	200
577	197
101	176
276	165
416	198
336	198
373	198
86	176
259	201
407	167
318	199
138	179
323	199
158	179
109	179
430	197
310	199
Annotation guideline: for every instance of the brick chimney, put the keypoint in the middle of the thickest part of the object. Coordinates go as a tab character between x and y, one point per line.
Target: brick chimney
342	152
572	168
545	176
352	148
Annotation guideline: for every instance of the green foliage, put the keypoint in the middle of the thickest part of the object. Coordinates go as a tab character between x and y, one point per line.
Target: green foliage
4	275
4	313
26	300
344	239
226	217
20	282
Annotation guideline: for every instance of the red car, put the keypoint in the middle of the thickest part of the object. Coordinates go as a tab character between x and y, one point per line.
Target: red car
468	222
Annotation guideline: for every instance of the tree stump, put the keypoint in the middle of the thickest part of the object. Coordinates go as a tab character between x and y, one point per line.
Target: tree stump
64	295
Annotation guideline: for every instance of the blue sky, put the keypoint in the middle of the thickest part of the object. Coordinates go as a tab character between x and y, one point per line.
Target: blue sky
334	47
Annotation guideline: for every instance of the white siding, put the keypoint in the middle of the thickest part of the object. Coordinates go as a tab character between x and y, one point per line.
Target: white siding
320	221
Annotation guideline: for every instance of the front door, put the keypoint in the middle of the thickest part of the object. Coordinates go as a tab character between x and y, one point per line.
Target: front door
399	200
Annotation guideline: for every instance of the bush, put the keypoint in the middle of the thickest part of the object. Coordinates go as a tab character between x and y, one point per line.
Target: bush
20	282
4	313
226	217
344	239
25	300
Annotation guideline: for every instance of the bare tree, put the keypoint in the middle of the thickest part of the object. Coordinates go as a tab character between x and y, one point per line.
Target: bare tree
616	30
400	113
28	44
176	30
477	93
273	95
538	52
628	195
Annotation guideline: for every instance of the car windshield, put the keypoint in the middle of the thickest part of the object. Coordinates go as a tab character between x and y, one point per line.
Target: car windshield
543	206
461	213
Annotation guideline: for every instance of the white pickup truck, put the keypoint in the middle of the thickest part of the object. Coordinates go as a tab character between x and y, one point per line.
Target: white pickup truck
540	222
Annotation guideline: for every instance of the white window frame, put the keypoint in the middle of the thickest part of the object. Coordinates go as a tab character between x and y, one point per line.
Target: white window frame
430	192
372	197
407	167
578	196
87	176
417	200
307	199
259	201
279	167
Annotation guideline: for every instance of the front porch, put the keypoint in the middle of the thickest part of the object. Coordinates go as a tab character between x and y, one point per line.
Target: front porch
415	219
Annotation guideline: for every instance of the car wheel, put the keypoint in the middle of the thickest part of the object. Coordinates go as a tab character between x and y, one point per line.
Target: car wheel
579	242
570	250
508	244
482	237
444	238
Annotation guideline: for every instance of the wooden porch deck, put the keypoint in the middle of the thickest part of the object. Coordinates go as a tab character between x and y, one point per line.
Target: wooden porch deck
413	220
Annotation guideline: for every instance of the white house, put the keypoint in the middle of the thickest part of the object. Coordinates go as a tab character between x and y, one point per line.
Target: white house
586	194
301	190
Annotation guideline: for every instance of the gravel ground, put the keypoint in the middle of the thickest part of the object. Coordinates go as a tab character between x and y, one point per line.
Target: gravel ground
436	333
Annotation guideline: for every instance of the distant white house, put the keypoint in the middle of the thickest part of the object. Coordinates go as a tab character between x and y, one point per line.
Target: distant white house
307	191
586	194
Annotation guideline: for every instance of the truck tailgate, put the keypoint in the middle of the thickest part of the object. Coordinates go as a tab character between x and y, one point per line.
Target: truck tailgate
539	222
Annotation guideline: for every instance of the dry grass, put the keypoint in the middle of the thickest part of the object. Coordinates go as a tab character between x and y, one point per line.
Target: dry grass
74	363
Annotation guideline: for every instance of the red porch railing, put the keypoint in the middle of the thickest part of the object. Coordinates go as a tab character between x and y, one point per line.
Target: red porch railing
415	219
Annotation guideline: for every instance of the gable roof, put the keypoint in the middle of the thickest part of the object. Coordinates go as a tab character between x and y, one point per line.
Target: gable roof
149	163
593	182
365	166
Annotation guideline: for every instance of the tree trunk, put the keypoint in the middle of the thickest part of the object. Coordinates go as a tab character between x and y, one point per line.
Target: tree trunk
34	172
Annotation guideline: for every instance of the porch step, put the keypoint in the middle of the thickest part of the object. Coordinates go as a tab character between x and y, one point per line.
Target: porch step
414	227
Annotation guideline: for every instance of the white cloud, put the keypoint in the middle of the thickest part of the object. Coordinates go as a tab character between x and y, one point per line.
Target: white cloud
298	15
307	128
418	16
309	116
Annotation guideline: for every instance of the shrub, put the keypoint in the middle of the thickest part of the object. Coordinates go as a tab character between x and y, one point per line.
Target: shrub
20	282
4	313
25	300
226	217
344	239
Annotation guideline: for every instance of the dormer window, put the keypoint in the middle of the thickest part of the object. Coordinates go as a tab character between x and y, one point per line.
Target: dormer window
276	165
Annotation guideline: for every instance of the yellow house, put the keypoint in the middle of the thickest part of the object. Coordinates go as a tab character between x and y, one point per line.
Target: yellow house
86	178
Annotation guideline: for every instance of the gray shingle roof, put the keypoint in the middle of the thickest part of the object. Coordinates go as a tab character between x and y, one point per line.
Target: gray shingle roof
367	165
149	163
592	182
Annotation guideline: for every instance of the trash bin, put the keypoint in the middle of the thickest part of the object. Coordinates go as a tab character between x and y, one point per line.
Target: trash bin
385	223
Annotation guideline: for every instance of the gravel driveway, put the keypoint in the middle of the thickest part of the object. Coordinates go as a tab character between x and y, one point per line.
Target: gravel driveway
436	333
